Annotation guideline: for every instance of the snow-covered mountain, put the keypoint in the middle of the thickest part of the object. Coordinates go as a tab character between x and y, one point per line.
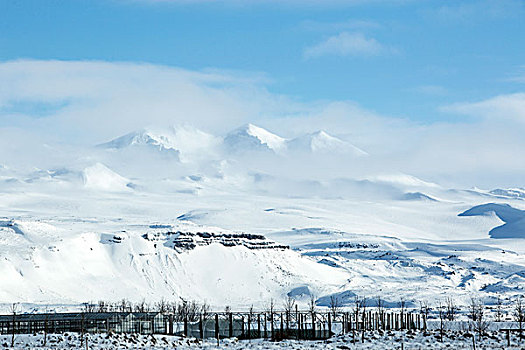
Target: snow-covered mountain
143	138
322	142
207	222
184	142
250	137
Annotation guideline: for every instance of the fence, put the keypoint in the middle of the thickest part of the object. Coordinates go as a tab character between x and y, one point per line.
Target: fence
243	325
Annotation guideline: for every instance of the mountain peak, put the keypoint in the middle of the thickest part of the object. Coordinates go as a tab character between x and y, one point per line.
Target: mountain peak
322	142
250	136
141	137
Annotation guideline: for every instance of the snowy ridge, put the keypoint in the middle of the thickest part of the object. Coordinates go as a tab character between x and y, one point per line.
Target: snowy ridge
250	137
514	219
322	142
150	262
156	140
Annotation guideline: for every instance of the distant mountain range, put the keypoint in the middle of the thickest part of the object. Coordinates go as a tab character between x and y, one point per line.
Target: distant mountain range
187	141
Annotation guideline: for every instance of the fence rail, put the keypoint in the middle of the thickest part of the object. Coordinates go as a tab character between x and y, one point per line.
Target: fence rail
244	325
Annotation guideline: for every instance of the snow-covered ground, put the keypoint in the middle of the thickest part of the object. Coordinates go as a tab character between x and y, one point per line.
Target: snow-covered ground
372	340
111	222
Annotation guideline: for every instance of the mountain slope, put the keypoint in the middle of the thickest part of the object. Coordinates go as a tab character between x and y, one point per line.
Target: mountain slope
322	142
185	142
250	137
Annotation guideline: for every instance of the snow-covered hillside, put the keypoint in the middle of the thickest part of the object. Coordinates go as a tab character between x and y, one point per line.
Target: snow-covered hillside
240	218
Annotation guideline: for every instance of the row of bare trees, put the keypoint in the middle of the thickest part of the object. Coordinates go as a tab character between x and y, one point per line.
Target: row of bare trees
182	309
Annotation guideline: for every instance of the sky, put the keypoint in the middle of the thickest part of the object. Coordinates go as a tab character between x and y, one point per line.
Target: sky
439	79
401	58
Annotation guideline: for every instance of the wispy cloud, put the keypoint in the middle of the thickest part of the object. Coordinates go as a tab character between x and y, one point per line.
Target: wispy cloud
467	11
347	44
350	24
518	77
502	107
94	100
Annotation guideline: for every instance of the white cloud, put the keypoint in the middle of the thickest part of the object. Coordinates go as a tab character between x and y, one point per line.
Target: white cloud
347	44
93	102
97	100
503	107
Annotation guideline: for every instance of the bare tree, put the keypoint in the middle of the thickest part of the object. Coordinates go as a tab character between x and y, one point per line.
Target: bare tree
519	313
185	310
311	304
452	309
161	306
424	309
359	304
499	310
289	304
13	309
402	310
271	310
124	305
271	306
477	315
205	310
142	306
442	312
381	310
88	307
363	319
335	305
102	306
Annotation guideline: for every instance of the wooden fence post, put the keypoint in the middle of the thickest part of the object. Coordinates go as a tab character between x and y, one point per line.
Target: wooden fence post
313	325
329	325
265	326
249	335
217	335
272	330
258	325
282	325
201	328
170	324
299	325
230	330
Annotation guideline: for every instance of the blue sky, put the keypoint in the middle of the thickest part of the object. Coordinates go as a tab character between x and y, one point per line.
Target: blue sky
399	58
